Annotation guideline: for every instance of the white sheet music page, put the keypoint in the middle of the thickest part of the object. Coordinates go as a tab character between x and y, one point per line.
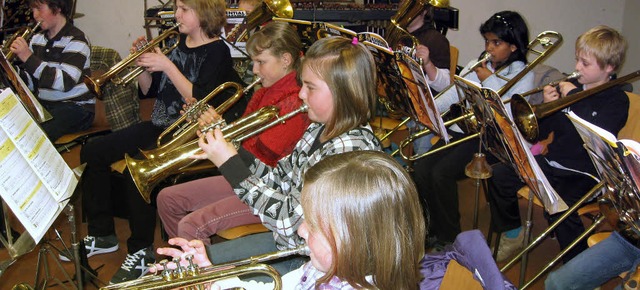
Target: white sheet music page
35	181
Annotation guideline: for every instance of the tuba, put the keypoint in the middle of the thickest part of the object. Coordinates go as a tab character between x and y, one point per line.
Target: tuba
194	277
148	173
95	84
262	14
526	116
396	31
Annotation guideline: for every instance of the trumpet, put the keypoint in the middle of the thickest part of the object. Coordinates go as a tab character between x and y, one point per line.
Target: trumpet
192	275
182	133
95	84
24	32
146	174
526	116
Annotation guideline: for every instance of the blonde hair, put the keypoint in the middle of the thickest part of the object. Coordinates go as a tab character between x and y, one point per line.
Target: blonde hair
349	71
211	13
279	38
605	44
367	206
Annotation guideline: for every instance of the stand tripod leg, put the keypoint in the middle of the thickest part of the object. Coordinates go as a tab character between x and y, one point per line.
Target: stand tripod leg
43	263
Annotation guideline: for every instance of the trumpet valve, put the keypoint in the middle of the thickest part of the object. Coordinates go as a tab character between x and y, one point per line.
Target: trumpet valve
192	269
217	124
180	272
167	274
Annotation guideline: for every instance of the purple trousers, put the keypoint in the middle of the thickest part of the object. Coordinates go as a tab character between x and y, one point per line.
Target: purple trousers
199	209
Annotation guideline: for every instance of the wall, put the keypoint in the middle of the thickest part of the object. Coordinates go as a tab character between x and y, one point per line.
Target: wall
116	23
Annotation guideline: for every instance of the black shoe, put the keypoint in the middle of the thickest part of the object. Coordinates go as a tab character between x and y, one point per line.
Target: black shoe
96	246
134	266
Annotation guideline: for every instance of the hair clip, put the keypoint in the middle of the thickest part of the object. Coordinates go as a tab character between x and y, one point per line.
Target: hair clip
503	20
354	41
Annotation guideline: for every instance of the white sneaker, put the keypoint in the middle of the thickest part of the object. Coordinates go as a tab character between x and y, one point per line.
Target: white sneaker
509	246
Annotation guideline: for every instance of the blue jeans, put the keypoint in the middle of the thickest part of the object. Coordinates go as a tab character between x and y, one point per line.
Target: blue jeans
596	265
422	144
252	245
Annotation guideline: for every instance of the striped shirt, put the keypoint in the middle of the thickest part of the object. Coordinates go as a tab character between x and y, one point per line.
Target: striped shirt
274	192
57	65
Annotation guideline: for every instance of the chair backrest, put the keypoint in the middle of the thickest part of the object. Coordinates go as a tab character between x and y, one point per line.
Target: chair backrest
453	58
631	129
459	277
543	75
120	102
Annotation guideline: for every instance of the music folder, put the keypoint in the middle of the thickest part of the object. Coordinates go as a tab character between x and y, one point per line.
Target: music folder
508	144
35	183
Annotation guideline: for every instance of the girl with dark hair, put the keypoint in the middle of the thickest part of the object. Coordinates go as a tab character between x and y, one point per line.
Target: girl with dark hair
506	38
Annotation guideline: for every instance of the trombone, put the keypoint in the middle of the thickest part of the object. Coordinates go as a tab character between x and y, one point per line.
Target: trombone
571	76
526	116
192	276
146	174
549	42
95	84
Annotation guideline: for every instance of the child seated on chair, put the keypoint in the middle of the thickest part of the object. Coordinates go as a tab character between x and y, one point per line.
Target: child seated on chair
363	226
599	54
53	63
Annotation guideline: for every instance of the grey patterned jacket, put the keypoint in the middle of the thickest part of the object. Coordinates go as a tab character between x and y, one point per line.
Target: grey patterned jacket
274	192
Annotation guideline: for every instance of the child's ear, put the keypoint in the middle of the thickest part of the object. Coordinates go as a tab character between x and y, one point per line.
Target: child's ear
287	58
513	48
609	69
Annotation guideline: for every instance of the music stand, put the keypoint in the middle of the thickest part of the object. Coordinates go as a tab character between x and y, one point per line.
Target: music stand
36	184
504	141
618	166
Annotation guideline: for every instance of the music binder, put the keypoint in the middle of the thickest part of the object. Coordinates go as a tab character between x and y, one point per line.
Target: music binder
36	182
511	147
618	164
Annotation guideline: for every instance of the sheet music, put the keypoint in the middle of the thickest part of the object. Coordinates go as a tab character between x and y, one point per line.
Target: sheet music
36	182
424	107
618	164
491	112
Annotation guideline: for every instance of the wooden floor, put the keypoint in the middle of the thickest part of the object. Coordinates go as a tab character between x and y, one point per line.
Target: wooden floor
24	269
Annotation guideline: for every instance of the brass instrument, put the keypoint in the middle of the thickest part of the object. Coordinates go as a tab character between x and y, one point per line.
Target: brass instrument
147	173
95	84
182	133
573	75
192	276
407	12
548	41
526	116
262	14
24	32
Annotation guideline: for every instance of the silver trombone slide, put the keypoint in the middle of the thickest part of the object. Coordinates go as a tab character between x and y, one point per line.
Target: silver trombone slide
588	196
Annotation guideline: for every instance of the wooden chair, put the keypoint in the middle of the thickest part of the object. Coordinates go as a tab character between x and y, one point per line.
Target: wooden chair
99	126
453	58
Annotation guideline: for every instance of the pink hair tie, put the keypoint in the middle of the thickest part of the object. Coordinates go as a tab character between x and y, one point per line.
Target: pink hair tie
354	41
